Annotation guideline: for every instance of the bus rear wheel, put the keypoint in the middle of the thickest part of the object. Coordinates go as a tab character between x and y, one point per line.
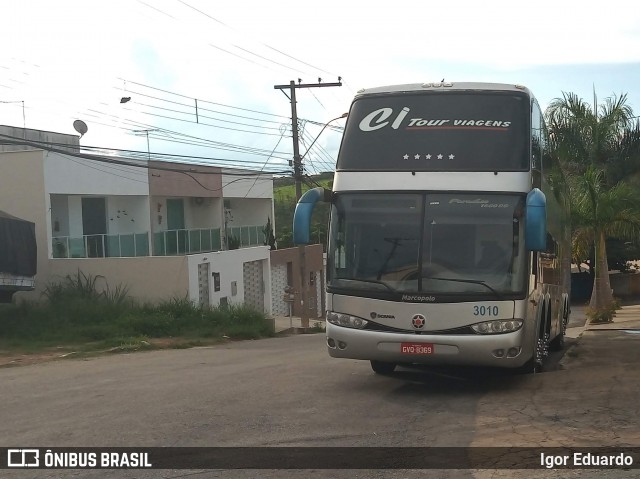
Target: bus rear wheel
381	367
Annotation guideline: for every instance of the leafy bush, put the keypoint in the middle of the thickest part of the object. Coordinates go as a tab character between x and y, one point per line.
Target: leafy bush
74	311
599	316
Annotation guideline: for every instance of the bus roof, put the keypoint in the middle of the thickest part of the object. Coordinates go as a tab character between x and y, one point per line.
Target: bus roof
442	86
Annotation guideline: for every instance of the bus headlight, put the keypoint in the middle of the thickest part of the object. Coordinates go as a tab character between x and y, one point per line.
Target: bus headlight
497	326
346	320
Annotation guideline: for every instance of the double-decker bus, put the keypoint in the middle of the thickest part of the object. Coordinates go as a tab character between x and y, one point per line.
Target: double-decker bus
449	237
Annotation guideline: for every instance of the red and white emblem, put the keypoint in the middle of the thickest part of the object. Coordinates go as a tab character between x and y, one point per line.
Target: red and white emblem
418	321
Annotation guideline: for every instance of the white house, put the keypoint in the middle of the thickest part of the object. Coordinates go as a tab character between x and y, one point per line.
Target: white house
163	229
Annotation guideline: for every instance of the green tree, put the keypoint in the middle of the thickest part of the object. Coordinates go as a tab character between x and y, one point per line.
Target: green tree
598	147
599	211
605	135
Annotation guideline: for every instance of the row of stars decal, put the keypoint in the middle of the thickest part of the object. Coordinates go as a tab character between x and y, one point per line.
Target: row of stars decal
429	156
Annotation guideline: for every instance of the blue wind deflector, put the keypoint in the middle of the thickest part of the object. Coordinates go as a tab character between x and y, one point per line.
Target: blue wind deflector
302	215
536	221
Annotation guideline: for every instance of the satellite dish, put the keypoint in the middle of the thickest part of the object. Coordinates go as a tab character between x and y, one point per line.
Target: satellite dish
81	127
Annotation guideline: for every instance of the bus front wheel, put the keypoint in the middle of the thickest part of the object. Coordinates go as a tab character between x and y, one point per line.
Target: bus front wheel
380	367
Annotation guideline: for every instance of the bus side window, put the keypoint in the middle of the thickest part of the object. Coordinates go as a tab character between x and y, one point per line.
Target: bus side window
552	245
537	144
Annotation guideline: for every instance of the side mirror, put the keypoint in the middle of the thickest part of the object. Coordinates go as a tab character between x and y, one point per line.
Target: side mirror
536	221
302	215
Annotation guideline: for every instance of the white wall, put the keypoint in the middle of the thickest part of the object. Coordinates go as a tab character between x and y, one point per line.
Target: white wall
229	265
60	214
250	212
75	216
204	215
136	209
70	175
246	186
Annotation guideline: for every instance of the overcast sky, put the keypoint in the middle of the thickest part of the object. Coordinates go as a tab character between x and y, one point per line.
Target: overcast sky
71	59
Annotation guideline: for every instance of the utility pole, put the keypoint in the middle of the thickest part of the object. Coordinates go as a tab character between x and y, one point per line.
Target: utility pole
297	174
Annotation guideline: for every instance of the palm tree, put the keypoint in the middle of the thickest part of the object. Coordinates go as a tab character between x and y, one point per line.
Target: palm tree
599	211
605	135
598	146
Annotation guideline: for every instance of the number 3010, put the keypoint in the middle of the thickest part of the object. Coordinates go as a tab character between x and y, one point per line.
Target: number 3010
485	311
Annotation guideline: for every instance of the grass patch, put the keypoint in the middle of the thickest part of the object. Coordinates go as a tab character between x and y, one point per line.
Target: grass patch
76	314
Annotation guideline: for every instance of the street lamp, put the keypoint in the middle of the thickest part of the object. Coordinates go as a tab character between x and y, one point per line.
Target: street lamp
344	115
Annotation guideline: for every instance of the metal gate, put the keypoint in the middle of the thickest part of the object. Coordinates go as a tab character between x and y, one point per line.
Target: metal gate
278	284
203	284
252	272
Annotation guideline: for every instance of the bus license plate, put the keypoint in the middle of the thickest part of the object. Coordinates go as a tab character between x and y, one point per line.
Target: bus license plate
416	348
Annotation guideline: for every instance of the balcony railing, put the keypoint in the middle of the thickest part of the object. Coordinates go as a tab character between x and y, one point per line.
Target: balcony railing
247	235
165	243
176	242
101	246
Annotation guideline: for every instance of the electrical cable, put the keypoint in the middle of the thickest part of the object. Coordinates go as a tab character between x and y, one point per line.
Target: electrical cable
203	101
265	164
42	145
264	44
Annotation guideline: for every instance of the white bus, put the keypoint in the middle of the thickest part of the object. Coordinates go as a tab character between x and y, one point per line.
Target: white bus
449	232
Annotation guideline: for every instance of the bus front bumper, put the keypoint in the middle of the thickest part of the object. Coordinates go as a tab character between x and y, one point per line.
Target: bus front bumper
508	350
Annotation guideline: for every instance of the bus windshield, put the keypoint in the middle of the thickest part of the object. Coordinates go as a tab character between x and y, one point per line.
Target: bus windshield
429	243
444	131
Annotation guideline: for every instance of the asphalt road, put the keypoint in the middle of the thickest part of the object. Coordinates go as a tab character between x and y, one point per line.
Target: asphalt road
288	392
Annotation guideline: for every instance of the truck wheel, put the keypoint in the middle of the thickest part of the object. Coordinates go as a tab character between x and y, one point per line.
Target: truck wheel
380	367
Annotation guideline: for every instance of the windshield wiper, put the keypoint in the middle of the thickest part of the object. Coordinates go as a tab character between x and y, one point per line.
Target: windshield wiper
395	243
472	281
372	281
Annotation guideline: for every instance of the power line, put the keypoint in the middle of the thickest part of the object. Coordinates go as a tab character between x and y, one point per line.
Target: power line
138	124
203	101
333	127
264	165
201	123
264	44
144	154
46	146
186	105
186	139
201	116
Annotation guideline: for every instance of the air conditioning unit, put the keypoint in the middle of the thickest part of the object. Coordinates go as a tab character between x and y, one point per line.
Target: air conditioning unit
200	201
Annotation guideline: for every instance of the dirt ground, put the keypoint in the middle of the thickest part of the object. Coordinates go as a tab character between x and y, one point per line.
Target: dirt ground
20	358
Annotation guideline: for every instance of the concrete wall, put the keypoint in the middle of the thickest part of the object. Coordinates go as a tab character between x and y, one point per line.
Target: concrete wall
625	285
60	215
230	266
78	176
149	278
207	213
171	183
314	265
126	214
249	212
72	141
237	185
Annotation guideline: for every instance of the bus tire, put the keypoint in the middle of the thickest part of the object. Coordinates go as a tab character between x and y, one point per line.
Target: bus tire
530	367
534	364
381	367
558	342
